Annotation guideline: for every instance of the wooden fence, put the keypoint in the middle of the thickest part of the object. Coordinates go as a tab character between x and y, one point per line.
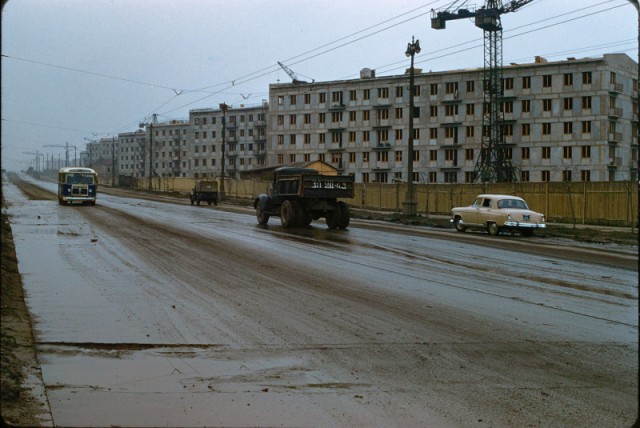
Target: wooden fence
606	203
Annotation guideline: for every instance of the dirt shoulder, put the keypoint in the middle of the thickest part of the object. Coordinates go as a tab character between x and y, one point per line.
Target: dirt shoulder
23	399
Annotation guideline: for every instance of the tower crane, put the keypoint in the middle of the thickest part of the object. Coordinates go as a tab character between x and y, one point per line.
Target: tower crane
294	76
492	164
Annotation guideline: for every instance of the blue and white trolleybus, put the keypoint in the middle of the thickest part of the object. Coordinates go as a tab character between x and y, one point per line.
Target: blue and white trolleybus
77	184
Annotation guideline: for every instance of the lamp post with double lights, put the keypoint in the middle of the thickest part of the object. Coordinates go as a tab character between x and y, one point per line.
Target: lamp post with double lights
410	203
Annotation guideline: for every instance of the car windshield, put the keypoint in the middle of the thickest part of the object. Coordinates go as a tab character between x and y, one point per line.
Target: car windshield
512	203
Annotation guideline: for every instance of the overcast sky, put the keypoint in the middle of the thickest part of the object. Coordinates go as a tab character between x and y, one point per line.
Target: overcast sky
83	69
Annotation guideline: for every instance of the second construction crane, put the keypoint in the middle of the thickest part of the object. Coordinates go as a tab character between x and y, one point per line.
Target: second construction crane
493	164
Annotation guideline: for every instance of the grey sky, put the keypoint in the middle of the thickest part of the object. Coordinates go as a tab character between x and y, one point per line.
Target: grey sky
72	69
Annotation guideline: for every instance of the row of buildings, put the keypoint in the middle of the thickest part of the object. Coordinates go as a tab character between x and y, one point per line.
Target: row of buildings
571	120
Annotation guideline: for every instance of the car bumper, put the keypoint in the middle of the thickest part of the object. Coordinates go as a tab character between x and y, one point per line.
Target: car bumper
519	225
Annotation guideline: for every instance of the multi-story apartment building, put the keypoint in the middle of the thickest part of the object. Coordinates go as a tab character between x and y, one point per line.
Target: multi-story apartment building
131	154
573	120
167	144
245	138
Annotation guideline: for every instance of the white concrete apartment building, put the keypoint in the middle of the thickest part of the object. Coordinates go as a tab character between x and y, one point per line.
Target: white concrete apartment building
167	143
572	120
245	140
131	154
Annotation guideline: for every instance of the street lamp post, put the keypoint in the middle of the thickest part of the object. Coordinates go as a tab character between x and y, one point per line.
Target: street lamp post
410	203
224	107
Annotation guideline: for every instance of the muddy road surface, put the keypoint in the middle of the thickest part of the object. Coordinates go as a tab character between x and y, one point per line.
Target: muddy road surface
157	314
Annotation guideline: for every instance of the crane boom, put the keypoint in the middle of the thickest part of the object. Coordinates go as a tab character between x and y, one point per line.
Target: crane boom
294	76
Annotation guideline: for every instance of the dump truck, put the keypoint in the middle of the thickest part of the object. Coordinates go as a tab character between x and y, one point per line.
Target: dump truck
301	195
204	191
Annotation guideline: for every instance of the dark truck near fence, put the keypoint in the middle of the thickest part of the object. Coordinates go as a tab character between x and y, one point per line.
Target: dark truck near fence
301	195
204	191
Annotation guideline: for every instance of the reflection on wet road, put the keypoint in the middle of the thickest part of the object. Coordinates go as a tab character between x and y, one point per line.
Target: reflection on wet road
157	314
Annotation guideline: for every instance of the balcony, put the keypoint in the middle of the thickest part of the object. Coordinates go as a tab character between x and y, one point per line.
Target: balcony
384	146
616	87
615	112
615	137
337	107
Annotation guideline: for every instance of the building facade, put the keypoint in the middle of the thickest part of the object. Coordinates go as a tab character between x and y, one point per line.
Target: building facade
131	154
573	120
245	139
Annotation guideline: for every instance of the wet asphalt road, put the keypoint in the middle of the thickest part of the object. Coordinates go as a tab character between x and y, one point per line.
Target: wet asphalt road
156	314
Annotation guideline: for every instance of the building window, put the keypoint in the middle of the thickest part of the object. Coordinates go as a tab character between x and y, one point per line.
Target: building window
336	97
471	86
546	129
586	77
525	153
451	109
307	138
383	92
292	119
585	152
433	133
568	128
507	83
566	175
567	103
547	80
433	111
366	94
365	157
568	79
546	104
399	91
382	156
352	136
585	175
322	138
586	103
451	87
566	152
471	109
468	154
292	101
365	136
322	97
526	82
352	116
546	152
307	98
322	117
398	133
545	175
292	139
526	106
352	157
470	131
450	177
507	130
365	115
433	155
524	176
433	89
507	107
399	113
352	95
526	129
383	114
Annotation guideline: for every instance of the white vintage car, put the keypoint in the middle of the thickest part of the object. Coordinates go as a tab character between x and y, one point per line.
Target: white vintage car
496	213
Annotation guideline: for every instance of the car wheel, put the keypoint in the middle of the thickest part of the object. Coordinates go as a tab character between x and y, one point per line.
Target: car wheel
288	214
493	229
261	216
458	224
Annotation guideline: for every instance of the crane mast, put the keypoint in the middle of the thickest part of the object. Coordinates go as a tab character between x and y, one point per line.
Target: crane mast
493	163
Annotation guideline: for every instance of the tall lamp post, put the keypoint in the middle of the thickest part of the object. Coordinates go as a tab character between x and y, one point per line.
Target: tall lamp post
410	203
224	107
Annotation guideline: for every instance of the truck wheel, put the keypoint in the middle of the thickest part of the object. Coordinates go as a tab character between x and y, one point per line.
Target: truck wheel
261	216
344	216
333	218
303	217
191	199
288	214
198	202
209	202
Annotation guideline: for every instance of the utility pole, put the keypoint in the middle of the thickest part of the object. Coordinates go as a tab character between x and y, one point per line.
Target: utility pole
113	162
224	107
410	200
